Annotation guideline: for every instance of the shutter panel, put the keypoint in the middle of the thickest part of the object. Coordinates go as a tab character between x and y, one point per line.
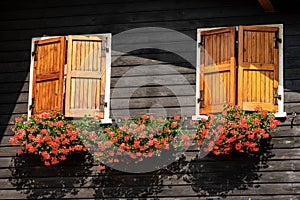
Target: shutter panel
86	74
48	74
217	69
258	67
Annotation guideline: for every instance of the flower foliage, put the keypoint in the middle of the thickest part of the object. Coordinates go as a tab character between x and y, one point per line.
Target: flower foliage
135	138
48	134
235	130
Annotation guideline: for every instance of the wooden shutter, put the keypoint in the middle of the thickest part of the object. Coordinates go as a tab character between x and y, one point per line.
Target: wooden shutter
217	69
258	67
86	74
48	74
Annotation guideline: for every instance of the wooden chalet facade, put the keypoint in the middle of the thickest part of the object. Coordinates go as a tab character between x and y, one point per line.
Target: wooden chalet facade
163	41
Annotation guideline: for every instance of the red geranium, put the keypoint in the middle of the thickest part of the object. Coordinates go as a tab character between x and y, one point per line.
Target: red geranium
47	134
235	130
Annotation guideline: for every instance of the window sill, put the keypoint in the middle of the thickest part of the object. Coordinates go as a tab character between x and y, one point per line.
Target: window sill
277	115
280	115
197	117
106	121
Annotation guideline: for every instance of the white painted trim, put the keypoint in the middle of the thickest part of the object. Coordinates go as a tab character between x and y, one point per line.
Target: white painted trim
280	72
197	73
199	30
197	117
280	112
108	36
107	82
30	80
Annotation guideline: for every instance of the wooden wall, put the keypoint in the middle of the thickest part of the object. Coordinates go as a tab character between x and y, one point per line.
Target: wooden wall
275	177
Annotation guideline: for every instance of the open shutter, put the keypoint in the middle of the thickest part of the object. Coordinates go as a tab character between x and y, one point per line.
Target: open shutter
86	74
217	69
48	74
258	67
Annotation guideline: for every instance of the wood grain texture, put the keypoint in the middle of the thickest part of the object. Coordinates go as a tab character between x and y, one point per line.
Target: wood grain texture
217	69
211	178
257	67
48	75
85	79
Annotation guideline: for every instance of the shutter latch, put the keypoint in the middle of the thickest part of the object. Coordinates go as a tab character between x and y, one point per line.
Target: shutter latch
202	42
276	41
276	96
34	53
201	99
31	107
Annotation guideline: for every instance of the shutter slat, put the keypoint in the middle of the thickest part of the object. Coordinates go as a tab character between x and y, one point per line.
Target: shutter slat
258	62
48	75
85	76
217	69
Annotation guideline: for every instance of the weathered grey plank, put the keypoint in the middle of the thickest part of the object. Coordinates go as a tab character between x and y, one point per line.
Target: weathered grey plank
291	73
149	69
73	8
173	79
161	15
206	179
14	97
292	107
14	66
14	87
291	96
158	110
34	167
154	91
177	101
17	77
5	119
291	86
13	108
276	154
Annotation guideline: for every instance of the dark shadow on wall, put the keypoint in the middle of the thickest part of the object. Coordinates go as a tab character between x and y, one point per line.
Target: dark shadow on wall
117	184
36	181
13	92
209	176
220	175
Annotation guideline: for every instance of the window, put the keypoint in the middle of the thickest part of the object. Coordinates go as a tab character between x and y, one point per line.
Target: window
71	73
242	65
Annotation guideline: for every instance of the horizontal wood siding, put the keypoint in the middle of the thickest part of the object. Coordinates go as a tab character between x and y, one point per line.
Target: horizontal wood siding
146	80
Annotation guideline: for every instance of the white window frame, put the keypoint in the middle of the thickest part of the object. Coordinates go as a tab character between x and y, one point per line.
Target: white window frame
106	118
280	113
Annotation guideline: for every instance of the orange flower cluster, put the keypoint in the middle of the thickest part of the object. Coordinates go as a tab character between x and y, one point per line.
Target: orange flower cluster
133	138
235	130
48	135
